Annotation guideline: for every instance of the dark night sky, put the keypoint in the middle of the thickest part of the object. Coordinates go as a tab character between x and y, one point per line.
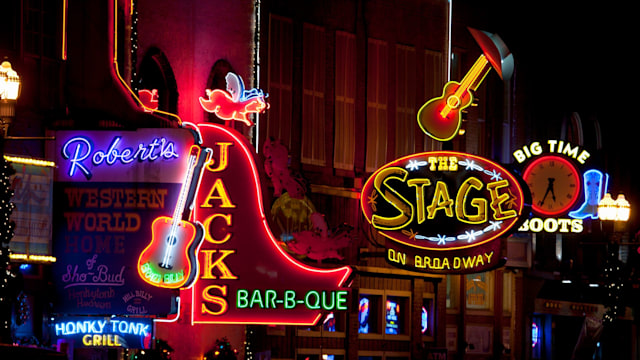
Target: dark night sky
579	56
573	57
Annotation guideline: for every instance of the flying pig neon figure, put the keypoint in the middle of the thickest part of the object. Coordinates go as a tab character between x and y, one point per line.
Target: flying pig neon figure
236	103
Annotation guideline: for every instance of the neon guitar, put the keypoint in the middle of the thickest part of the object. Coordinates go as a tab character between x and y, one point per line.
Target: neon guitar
441	117
169	260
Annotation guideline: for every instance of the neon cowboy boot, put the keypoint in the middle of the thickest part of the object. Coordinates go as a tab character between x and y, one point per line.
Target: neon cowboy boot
595	185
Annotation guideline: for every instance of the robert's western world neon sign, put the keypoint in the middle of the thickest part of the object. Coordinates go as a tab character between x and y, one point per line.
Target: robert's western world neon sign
217	245
443	210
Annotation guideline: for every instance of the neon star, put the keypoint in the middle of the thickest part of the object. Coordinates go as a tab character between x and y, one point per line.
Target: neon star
494	225
415	164
470	236
511	203
442	239
371	200
494	175
471	165
410	234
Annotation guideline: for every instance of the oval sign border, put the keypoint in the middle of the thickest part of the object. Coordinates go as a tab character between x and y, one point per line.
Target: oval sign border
475	163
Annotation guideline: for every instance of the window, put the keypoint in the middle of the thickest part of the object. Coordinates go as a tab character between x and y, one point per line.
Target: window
33	198
156	73
433	84
280	79
480	339
427	315
42	20
376	152
10	26
368	313
507	291
320	354
453	293
345	110
384	314
405	100
396	308
479	291
313	101
332	324
383	355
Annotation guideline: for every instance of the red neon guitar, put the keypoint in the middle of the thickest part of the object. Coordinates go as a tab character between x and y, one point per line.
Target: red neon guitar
170	259
441	117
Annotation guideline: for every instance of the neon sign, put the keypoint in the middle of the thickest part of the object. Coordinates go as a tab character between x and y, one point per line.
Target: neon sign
245	276
110	187
424	320
561	194
78	149
554	146
272	299
441	117
363	315
442	210
236	103
105	332
149	99
170	259
392	318
596	184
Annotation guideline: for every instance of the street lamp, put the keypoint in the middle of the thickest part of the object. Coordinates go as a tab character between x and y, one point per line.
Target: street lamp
617	210
614	212
9	93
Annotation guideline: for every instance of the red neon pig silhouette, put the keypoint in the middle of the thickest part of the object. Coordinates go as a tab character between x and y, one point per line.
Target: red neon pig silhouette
235	103
149	99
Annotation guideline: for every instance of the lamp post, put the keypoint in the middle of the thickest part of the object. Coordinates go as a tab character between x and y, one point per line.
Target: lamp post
9	93
610	210
614	214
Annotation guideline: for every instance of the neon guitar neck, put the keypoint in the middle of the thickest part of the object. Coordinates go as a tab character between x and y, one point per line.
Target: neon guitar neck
169	260
177	213
440	117
471	81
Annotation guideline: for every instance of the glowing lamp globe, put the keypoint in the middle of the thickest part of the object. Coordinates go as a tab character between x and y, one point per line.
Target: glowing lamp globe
607	208
9	82
623	208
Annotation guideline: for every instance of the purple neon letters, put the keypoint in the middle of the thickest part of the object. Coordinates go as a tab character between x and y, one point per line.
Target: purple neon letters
80	149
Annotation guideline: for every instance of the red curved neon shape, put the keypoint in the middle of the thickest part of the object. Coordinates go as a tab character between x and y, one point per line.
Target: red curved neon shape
240	253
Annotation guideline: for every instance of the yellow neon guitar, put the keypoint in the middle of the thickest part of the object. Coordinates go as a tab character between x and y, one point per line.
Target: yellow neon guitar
441	117
169	261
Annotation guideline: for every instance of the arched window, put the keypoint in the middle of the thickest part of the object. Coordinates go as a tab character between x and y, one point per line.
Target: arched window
156	73
217	80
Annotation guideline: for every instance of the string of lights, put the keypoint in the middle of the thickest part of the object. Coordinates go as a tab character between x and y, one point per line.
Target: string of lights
8	275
